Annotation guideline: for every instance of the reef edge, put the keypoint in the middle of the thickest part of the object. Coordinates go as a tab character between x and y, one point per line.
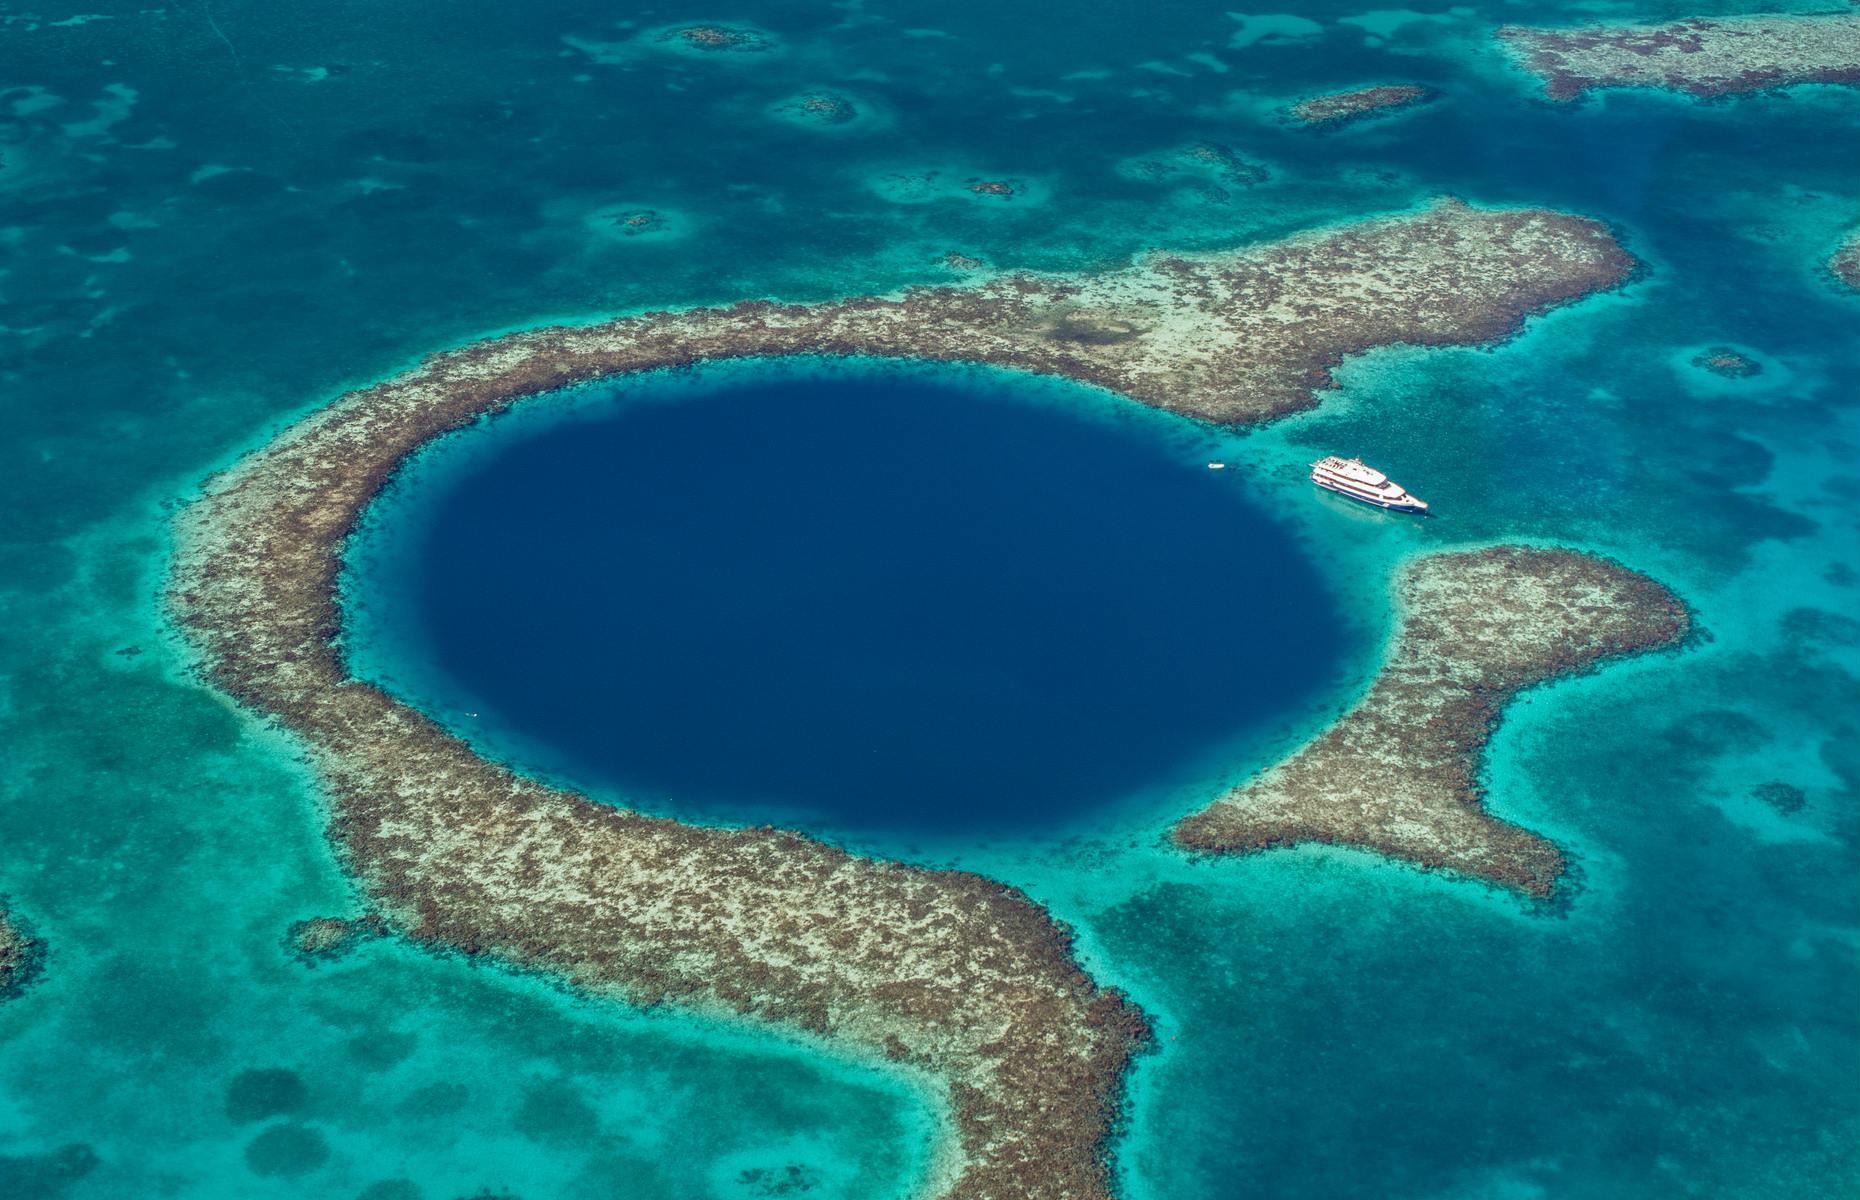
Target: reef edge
1700	57
1399	772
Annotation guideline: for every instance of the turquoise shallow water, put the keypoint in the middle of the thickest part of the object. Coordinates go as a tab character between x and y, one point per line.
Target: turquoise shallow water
217	216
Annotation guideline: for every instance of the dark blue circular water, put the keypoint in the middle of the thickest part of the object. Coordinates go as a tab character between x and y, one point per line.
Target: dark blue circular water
886	598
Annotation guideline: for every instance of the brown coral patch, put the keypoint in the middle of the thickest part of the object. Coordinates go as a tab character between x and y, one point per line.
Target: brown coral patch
1699	57
321	939
1727	363
1398	774
1336	108
714	38
821	108
1846	261
21	955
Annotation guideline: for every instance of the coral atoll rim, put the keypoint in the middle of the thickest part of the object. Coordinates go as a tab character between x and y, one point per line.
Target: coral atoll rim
1399	772
943	971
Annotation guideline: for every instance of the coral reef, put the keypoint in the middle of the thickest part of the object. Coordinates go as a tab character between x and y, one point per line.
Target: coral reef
1727	363
21	955
1399	772
946	972
1224	162
1209	159
320	939
1336	108
1846	261
1703	57
715	39
819	108
937	184
1785	798
1210	168
634	221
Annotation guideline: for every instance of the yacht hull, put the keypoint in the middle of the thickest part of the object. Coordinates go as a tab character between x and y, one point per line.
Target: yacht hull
1373	501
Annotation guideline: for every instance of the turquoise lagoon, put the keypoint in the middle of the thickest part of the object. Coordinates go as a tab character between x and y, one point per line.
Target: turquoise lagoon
217	217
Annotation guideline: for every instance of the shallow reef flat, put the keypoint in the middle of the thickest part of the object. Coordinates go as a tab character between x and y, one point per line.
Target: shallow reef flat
1398	774
1703	57
1339	108
1846	261
944	971
20	955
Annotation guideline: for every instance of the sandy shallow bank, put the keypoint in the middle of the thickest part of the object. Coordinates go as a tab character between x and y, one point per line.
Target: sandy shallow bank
940	970
1399	773
1702	57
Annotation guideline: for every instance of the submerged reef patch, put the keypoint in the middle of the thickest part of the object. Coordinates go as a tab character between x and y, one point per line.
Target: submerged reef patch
930	186
943	971
1702	57
1727	362
715	39
286	1151
1213	160
1339	108
818	110
1786	798
623	221
323	939
1398	773
260	1093
1846	261
21	955
49	1175
1210	169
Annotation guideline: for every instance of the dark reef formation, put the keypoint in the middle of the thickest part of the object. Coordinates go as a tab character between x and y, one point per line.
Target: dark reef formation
322	939
716	39
1337	108
1213	165
51	1175
1224	162
21	955
1702	57
1785	798
819	108
1727	363
961	978
634	221
1846	261
992	187
1399	773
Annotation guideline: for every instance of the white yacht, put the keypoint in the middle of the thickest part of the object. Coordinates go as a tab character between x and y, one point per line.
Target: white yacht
1353	478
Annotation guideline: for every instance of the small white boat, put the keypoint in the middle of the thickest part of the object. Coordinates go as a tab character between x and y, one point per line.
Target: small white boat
1356	479
1217	466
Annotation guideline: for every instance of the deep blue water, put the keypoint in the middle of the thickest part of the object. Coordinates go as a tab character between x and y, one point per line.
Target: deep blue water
216	215
880	598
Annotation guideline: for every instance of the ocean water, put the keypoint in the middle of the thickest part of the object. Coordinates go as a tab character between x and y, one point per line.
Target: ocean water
842	598
216	216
